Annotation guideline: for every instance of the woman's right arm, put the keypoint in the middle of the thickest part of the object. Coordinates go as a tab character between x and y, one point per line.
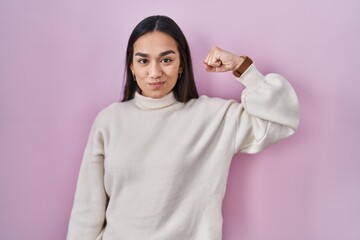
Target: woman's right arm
88	213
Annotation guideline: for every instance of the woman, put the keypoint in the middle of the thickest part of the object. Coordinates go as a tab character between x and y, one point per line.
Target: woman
156	164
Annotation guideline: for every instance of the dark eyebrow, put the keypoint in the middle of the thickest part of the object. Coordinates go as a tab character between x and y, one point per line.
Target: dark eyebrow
166	53
161	54
141	54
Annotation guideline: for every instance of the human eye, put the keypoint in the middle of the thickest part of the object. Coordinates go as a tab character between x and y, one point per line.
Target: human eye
166	60
143	61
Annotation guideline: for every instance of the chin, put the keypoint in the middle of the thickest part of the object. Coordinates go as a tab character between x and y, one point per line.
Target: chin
156	94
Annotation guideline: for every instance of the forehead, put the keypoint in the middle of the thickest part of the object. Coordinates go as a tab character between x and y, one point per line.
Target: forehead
155	42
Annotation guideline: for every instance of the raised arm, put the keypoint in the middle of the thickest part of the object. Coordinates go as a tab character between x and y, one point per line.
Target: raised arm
269	109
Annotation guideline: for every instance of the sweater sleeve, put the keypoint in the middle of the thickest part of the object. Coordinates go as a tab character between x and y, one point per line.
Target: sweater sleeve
88	213
269	112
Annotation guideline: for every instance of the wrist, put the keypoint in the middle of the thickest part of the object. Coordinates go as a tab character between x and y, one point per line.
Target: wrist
242	66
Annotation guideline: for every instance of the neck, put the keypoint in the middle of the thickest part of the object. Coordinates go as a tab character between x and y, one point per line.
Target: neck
149	103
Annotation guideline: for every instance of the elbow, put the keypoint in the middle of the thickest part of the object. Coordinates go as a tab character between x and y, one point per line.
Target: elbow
294	126
295	123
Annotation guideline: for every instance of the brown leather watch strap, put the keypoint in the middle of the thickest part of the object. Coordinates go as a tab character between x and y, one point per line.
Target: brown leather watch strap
243	67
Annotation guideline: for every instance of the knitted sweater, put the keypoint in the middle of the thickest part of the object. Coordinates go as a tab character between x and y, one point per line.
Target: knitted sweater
156	169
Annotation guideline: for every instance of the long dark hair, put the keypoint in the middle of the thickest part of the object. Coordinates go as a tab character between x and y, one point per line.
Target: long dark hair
185	88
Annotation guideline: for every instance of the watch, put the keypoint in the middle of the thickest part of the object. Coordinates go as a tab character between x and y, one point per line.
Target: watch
243	67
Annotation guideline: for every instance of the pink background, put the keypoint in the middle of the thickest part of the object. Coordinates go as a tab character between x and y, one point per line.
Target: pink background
62	61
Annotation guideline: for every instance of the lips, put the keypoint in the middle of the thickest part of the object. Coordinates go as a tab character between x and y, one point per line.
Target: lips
156	84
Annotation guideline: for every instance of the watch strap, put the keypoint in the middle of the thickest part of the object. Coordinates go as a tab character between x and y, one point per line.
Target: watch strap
243	67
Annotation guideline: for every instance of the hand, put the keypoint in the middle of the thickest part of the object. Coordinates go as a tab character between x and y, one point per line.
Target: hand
219	60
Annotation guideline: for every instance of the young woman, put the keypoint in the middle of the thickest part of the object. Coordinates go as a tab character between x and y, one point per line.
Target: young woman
156	164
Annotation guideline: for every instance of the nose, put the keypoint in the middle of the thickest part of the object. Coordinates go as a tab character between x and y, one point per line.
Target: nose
155	70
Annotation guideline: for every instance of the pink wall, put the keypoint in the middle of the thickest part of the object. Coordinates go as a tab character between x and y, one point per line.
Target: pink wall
62	61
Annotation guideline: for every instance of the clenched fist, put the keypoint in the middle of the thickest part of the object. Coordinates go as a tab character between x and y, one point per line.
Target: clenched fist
219	60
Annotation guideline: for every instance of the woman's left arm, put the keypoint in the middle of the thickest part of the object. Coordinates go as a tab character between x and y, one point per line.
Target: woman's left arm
269	109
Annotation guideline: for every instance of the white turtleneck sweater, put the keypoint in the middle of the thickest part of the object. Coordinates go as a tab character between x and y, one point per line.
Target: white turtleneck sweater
156	169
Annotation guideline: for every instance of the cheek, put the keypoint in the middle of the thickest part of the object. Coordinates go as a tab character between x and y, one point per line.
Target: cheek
140	72
172	82
172	72
141	83
172	78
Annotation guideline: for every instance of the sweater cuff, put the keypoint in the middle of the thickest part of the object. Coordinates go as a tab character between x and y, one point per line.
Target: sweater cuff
251	77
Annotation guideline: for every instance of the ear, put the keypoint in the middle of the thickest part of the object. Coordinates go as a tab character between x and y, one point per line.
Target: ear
131	68
180	69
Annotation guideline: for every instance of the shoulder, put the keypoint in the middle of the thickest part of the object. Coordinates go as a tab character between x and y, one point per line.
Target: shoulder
110	113
204	101
205	105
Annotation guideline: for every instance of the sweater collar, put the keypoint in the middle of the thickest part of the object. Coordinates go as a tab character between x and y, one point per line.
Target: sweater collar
154	103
